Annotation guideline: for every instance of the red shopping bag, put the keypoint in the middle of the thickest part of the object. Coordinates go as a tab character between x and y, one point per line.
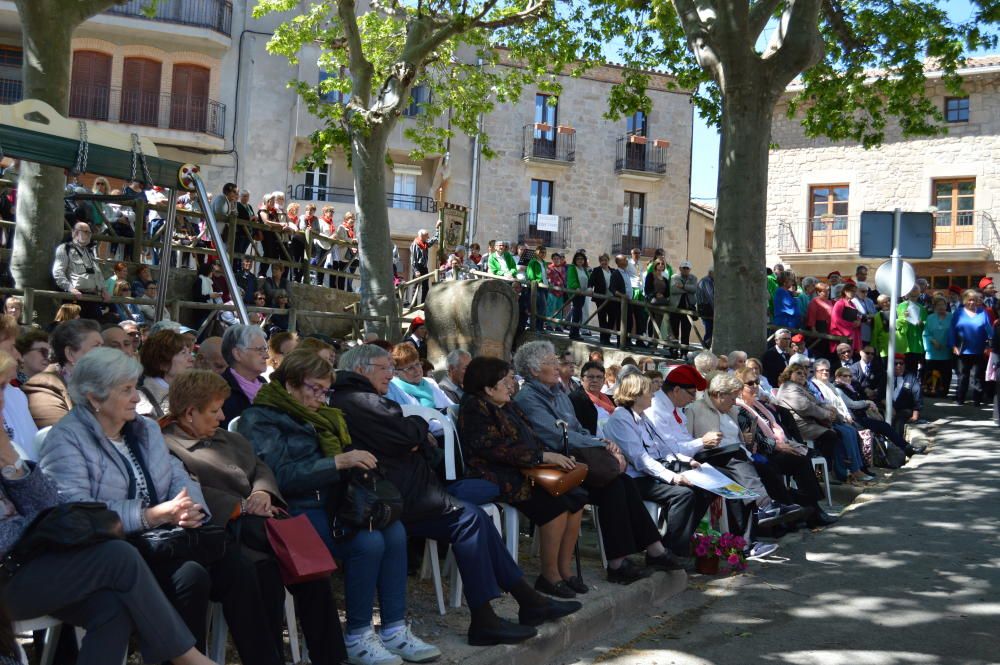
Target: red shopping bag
300	551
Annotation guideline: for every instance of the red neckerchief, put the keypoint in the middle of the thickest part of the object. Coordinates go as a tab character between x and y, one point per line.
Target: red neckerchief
349	229
601	401
310	221
421	243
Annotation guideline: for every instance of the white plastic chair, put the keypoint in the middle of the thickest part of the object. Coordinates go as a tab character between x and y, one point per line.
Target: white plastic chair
819	462
232	424
51	625
40	437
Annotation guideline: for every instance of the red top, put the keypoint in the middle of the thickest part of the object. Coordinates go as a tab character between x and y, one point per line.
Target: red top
841	326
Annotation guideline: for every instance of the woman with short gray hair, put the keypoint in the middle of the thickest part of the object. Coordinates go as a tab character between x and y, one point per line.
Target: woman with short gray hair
244	348
48	398
103	451
361	356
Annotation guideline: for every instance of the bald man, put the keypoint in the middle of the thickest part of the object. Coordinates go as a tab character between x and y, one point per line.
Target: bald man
210	356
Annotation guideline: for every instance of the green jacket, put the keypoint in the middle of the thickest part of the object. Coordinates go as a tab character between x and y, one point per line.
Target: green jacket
507	268
914	332
880	334
572	280
535	270
772	286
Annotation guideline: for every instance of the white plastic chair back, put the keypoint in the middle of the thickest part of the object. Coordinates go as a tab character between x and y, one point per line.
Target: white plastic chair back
40	437
233	423
448	429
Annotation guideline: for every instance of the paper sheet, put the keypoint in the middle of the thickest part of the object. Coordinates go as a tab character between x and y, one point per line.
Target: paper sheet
709	478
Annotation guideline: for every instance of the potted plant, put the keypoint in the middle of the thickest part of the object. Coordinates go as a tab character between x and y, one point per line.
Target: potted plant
712	548
565	129
661	143
636	138
543	126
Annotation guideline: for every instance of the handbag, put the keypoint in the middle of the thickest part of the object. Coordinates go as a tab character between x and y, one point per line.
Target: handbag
554	479
885	454
602	466
66	526
370	502
204	545
302	556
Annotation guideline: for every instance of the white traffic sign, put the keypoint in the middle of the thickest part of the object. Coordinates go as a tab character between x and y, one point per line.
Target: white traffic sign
884	278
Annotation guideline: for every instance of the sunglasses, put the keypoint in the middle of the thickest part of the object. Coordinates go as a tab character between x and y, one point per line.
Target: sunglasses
751	383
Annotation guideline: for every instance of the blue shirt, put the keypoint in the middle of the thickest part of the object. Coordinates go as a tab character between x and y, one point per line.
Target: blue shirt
970	333
786	309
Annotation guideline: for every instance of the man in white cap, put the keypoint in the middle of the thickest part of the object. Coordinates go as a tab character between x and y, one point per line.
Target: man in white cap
683	290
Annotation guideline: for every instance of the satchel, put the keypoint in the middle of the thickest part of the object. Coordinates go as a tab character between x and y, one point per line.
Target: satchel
370	502
554	479
886	454
602	466
302	556
204	545
67	526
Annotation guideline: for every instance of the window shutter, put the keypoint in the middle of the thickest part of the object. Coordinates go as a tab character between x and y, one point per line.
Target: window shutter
189	98
141	91
90	85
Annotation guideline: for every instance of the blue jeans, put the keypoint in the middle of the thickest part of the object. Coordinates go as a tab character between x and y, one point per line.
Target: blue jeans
371	560
474	490
483	561
851	450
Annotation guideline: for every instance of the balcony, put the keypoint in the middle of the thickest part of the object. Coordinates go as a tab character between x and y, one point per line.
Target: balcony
215	15
638	156
624	239
962	235
346	195
11	91
134	107
554	231
543	143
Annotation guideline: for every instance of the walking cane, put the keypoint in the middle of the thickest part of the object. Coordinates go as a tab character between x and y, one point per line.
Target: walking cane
565	451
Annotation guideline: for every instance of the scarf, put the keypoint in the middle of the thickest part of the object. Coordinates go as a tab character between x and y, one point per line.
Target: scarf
765	421
331	428
421	392
421	243
601	401
350	232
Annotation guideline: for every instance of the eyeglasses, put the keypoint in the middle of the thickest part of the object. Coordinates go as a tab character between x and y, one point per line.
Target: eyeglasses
379	366
691	391
259	349
318	391
593	377
751	383
409	368
822	371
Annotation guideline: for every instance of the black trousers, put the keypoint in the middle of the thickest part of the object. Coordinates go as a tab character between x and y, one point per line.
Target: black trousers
608	317
107	590
626	527
741	512
780	464
883	428
232	580
296	247
971	376
637	318
680	327
684	507
269	241
315	609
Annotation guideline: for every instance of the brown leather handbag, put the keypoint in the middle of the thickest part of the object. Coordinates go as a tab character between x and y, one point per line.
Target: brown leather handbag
554	479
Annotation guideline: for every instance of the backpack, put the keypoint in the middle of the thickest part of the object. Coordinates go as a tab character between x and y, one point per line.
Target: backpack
885	454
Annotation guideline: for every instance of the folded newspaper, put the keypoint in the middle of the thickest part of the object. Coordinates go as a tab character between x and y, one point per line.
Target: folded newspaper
707	477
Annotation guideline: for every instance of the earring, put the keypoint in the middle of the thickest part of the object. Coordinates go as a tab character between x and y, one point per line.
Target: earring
190	420
97	409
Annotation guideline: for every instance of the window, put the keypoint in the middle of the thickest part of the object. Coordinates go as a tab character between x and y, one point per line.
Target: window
956	109
404	191
333	96
189	98
828	205
636	124
90	85
11	90
316	183
633	217
955	219
709	238
546	113
141	91
541	197
420	95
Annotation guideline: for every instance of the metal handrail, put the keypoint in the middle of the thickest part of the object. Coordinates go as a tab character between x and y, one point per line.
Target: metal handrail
346	195
165	110
216	15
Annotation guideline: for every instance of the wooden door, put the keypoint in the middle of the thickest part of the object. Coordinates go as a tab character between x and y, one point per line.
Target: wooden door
189	98
141	92
632	221
955	220
90	85
828	218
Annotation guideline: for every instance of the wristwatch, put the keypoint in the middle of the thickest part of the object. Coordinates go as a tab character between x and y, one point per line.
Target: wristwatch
13	471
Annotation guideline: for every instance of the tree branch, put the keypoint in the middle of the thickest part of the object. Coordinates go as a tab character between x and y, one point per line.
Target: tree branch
835	18
698	35
530	12
797	44
391	9
760	14
361	69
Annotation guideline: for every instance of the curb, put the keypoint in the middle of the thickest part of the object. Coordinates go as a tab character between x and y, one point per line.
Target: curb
598	618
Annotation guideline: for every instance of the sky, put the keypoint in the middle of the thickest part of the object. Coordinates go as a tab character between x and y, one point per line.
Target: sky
705	156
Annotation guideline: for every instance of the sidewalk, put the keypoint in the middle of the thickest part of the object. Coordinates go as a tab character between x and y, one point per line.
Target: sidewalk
908	576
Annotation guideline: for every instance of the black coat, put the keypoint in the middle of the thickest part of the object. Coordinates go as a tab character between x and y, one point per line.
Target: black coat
237	402
585	410
596	281
377	425
774	363
874	379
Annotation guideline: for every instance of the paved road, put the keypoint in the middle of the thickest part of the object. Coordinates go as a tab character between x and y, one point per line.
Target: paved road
909	576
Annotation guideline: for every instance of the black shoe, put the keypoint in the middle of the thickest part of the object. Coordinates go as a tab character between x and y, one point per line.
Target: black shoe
555	609
560	589
576	584
821	518
505	632
627	573
666	562
911	450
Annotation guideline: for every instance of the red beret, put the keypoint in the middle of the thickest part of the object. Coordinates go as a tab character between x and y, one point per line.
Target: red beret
985	281
687	376
798	339
955	289
418	321
900	356
849	280
835	272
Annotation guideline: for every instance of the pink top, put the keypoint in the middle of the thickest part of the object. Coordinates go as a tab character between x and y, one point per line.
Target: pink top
248	387
841	326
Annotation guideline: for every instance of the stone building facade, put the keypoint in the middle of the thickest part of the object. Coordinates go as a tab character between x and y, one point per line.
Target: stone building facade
817	189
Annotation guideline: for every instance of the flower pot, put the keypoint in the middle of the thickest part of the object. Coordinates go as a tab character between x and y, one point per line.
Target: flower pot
661	143
565	129
635	138
543	127
707	565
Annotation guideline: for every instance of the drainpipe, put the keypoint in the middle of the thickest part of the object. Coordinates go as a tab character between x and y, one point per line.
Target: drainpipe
470	231
687	221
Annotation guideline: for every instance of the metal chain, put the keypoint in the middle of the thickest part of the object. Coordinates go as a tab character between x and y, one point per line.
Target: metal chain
142	158
82	152
135	143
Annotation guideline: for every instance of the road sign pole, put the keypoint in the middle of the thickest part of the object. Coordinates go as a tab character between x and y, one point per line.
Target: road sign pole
897	274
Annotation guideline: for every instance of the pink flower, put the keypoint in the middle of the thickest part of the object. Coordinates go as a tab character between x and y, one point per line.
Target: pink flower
734	559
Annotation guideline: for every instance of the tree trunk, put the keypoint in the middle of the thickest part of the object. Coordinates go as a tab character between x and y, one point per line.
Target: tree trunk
378	294
740	279
47	44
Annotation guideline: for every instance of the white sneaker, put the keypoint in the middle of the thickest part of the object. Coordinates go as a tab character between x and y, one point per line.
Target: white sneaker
411	648
759	550
369	650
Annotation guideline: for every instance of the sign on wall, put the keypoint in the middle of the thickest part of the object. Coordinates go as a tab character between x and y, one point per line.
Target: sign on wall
453	218
547	222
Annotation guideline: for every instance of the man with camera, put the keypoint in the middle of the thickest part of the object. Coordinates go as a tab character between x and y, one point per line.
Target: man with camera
76	271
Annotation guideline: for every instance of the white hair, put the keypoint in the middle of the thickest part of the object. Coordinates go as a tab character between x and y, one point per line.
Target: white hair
360	356
724	384
455	358
239	336
100	371
528	359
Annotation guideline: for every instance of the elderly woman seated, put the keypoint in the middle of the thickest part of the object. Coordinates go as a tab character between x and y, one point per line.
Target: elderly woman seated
241	492
401	444
591	406
776	455
308	446
101	451
860	409
816	422
244	348
627	529
106	589
655	463
164	356
48	398
715	411
410	381
822	388
498	442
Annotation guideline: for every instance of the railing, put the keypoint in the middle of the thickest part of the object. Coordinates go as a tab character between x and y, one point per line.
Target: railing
625	238
528	231
11	91
555	144
346	195
153	109
841	233
215	15
637	153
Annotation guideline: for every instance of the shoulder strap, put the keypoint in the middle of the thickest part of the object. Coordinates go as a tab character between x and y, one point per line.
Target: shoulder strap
156	404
